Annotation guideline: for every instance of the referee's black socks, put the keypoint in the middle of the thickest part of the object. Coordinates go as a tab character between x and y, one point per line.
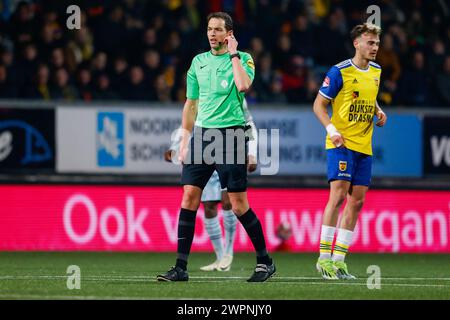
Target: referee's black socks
251	224
186	228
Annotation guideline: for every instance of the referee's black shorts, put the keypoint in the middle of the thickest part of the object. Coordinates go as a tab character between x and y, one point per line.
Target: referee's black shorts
224	150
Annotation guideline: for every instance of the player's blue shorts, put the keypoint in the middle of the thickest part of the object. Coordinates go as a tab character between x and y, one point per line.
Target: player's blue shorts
349	165
212	191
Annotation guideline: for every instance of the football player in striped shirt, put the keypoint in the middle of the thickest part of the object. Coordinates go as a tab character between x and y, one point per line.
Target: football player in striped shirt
352	87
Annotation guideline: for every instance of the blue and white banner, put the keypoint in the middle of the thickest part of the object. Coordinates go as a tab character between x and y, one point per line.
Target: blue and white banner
115	140
134	141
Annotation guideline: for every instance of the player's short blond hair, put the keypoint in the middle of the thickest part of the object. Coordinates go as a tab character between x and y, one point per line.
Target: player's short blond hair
360	29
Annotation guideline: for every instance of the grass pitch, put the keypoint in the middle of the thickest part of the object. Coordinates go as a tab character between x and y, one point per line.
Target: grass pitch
39	275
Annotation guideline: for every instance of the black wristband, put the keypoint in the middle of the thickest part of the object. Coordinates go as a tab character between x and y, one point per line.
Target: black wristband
235	55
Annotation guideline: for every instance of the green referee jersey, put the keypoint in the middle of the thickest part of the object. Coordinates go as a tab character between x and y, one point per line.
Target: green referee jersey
210	80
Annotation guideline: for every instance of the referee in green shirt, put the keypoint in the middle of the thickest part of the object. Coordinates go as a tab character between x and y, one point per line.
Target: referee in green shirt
216	84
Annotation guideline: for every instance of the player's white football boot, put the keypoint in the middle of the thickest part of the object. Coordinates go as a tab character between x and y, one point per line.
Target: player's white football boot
225	263
211	267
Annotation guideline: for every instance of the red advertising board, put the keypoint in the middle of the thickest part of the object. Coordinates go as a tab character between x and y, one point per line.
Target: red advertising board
122	218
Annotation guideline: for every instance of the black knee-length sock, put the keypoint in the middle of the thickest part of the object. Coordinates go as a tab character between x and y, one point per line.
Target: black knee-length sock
251	224
186	228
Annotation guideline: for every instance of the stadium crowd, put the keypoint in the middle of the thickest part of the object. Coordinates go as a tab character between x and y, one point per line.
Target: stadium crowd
140	50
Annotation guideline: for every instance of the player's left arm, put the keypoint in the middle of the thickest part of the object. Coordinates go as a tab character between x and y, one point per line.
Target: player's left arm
381	115
252	133
252	162
241	78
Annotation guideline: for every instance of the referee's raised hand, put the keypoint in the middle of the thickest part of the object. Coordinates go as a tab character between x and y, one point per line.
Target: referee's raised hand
231	44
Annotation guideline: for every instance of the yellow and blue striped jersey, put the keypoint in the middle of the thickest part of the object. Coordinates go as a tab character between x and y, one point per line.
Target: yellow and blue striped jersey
353	93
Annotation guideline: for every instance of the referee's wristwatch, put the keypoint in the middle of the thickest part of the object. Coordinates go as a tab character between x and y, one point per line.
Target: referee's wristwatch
235	55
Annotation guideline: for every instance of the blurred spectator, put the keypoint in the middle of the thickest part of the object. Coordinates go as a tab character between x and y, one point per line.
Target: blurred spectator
152	66
162	89
23	24
264	76
294	80
302	37
62	89
443	83
436	58
39	89
332	40
103	89
172	49
149	39
413	87
81	47
111	34
27	66
180	90
48	41
57	59
84	84
7	88
277	95
98	65
133	14
137	90
282	52
312	87
119	75
7	60
256	49
389	61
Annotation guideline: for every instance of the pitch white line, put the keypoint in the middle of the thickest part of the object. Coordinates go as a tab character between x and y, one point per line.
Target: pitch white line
311	278
148	278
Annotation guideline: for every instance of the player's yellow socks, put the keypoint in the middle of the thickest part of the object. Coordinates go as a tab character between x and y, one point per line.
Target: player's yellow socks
343	241
326	241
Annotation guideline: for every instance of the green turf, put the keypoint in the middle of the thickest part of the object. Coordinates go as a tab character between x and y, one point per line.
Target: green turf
132	276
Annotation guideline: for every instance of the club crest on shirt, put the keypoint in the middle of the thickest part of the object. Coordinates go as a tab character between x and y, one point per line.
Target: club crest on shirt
342	165
224	84
326	82
355	94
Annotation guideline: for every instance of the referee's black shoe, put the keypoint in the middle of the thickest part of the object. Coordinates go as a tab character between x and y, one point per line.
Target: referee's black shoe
262	272
174	274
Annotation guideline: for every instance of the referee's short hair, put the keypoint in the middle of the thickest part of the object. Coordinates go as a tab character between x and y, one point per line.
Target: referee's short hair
363	28
222	15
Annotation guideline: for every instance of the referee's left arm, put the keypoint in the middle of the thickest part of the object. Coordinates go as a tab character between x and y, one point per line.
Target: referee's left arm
241	78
